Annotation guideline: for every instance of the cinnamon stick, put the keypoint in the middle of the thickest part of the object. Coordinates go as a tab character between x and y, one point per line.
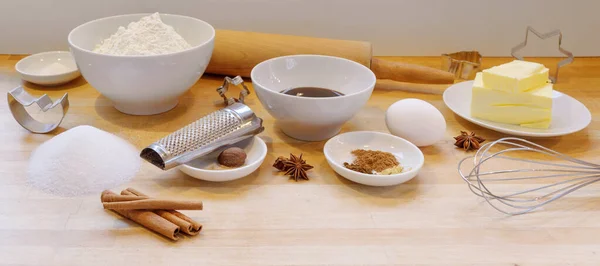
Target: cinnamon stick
184	226
151	221
154	204
196	227
108	196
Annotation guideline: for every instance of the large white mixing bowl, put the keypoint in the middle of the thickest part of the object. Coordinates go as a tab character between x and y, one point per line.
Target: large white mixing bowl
146	84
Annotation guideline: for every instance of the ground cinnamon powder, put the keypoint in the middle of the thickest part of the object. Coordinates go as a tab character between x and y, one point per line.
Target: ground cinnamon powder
368	161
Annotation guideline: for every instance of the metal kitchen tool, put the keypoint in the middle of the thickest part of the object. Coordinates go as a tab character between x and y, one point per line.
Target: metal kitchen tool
516	186
225	87
515	50
19	99
462	64
227	126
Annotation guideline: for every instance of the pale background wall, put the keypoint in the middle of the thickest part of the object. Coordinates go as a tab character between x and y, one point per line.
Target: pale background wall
395	27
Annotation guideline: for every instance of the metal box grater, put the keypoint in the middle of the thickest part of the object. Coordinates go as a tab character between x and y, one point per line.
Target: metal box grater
227	126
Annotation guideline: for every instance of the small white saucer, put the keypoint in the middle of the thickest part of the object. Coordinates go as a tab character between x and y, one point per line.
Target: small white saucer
207	168
49	68
338	150
568	114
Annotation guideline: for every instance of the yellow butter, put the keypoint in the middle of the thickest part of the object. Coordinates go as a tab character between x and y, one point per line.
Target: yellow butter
539	97
543	124
532	108
516	76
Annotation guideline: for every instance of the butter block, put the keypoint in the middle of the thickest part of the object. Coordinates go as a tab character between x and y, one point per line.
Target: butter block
528	109
542	125
516	76
539	97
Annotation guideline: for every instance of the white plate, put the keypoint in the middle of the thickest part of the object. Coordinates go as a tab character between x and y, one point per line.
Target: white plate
338	150
204	168
49	68
568	114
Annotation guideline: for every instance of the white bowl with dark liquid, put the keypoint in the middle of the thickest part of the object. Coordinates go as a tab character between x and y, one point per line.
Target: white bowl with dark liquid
312	118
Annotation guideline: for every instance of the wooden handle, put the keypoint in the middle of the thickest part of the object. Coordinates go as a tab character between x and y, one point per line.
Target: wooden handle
385	84
398	71
237	52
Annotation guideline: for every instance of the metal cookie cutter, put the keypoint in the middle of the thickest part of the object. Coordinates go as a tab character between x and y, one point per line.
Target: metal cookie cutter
463	64
225	87
18	99
543	36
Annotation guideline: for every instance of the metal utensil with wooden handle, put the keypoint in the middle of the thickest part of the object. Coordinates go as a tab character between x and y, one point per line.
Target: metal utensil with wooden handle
237	52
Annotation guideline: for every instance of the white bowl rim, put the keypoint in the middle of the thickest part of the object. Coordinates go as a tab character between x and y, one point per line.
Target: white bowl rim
261	157
141	56
18	66
371	86
413	169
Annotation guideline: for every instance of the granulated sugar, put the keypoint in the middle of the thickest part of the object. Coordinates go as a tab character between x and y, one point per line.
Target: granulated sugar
148	36
82	160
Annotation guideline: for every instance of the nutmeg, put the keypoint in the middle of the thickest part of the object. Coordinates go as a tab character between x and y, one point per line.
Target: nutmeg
232	157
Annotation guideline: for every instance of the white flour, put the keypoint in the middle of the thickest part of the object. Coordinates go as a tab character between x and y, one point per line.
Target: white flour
148	36
82	160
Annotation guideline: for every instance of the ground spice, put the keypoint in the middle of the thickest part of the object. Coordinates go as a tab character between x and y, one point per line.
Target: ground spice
369	161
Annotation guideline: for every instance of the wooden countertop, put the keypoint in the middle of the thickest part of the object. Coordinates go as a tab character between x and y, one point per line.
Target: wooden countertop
267	219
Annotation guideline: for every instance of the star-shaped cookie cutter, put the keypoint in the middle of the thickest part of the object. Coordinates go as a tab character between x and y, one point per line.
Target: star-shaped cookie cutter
543	36
18	99
225	87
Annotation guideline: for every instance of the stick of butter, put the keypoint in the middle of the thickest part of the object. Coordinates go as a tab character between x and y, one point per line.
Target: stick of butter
531	108
516	76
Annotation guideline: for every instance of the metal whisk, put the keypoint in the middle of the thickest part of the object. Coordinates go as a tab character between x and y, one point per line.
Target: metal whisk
559	174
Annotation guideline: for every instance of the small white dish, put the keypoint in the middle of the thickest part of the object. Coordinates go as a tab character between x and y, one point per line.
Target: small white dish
568	114
207	168
48	68
338	150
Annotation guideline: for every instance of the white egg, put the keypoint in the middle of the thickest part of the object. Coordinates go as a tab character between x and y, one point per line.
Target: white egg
416	121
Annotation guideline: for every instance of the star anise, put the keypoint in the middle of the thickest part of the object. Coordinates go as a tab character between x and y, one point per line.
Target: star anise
296	167
468	141
280	164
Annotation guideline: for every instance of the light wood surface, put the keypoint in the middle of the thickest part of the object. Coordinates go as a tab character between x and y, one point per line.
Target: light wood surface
267	219
237	52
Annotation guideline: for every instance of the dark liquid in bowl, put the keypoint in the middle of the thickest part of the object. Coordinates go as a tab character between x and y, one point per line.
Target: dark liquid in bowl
312	92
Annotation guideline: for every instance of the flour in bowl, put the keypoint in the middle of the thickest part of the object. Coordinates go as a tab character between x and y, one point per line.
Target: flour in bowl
148	36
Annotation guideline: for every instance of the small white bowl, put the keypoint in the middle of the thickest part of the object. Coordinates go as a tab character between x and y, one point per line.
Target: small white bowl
306	118
207	168
338	150
48	68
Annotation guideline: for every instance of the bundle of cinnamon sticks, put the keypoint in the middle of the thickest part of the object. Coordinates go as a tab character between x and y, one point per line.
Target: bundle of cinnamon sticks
158	215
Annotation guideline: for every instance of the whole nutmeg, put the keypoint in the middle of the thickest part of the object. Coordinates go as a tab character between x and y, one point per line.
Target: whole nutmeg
232	157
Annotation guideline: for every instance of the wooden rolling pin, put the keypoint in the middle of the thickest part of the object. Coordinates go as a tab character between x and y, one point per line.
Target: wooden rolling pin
390	85
237	52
